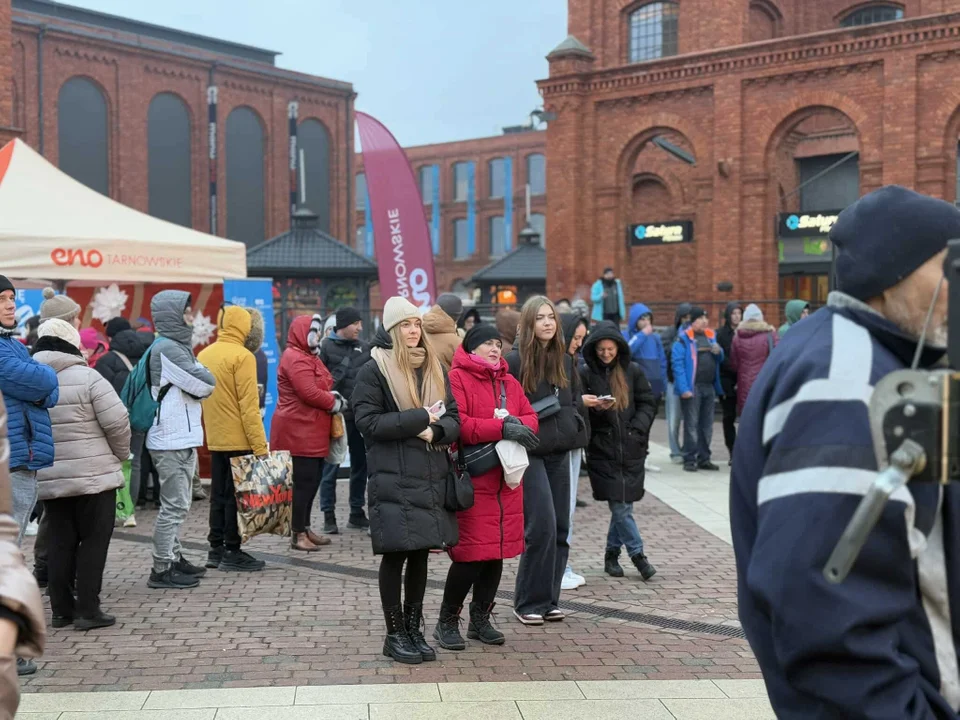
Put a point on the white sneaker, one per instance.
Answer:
(571, 581)
(33, 527)
(650, 466)
(130, 521)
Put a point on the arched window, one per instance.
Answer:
(496, 169)
(461, 181)
(314, 140)
(765, 21)
(537, 174)
(498, 236)
(653, 31)
(82, 133)
(872, 14)
(169, 195)
(246, 217)
(460, 249)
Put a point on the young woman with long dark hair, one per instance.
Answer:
(396, 406)
(544, 368)
(620, 432)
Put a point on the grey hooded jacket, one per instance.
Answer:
(174, 366)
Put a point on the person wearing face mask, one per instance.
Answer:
(492, 530)
(545, 370)
(403, 408)
(622, 407)
(883, 642)
(575, 330)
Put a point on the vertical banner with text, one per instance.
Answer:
(401, 236)
(257, 293)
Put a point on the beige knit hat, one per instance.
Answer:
(58, 306)
(59, 329)
(396, 311)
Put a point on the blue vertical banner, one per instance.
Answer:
(257, 293)
(508, 203)
(368, 219)
(435, 201)
(471, 208)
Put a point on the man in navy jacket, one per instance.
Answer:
(882, 644)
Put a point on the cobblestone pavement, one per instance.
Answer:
(313, 619)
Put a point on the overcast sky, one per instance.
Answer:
(430, 70)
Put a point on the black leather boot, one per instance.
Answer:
(480, 627)
(413, 621)
(647, 570)
(611, 563)
(397, 643)
(447, 633)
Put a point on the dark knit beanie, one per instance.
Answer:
(116, 325)
(346, 316)
(478, 335)
(697, 312)
(885, 236)
(451, 304)
(5, 285)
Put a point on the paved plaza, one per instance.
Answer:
(304, 631)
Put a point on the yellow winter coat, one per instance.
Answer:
(231, 415)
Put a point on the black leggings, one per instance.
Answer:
(391, 570)
(483, 576)
(307, 472)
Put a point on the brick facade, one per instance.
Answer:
(130, 70)
(518, 146)
(746, 112)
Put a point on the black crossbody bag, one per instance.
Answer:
(481, 459)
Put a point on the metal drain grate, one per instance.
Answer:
(569, 605)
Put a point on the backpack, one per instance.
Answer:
(136, 396)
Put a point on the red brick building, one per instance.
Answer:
(459, 253)
(789, 109)
(125, 107)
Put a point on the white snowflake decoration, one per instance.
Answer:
(203, 330)
(109, 302)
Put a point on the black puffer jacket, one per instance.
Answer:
(619, 438)
(344, 359)
(133, 345)
(407, 479)
(561, 432)
(728, 377)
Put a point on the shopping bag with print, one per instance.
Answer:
(125, 507)
(264, 490)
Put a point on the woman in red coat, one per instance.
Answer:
(492, 407)
(301, 424)
(752, 345)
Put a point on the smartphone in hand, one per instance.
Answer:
(438, 409)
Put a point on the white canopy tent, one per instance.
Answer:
(55, 228)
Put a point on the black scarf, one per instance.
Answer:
(51, 343)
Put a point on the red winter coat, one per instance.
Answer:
(493, 528)
(750, 349)
(301, 421)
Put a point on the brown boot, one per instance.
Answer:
(301, 542)
(318, 540)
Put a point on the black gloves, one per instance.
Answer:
(520, 434)
(512, 420)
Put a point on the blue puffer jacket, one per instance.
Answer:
(647, 350)
(683, 359)
(29, 389)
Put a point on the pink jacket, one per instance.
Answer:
(751, 347)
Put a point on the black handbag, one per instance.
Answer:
(548, 406)
(481, 459)
(459, 490)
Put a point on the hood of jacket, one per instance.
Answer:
(728, 311)
(477, 366)
(605, 330)
(568, 323)
(297, 335)
(636, 312)
(130, 343)
(472, 312)
(382, 339)
(254, 339)
(437, 322)
(682, 309)
(57, 353)
(233, 325)
(167, 308)
(507, 322)
(793, 310)
(750, 328)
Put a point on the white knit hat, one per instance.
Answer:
(59, 329)
(752, 313)
(396, 311)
